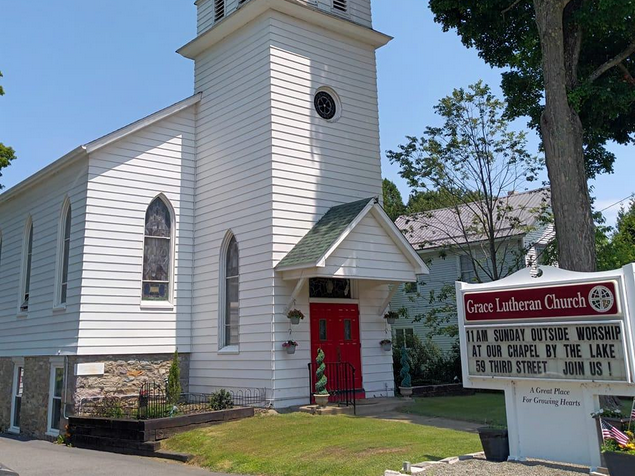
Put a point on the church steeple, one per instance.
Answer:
(211, 12)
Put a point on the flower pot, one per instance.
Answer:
(619, 464)
(294, 320)
(386, 347)
(291, 349)
(405, 391)
(495, 443)
(321, 399)
(391, 320)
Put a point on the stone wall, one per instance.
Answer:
(6, 385)
(123, 375)
(34, 414)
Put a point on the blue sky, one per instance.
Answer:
(75, 70)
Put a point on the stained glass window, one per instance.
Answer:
(27, 271)
(231, 293)
(65, 253)
(156, 252)
(330, 288)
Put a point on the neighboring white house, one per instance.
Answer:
(439, 238)
(200, 226)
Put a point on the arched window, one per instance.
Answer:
(65, 246)
(26, 273)
(156, 252)
(230, 311)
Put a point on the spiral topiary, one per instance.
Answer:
(320, 384)
(406, 381)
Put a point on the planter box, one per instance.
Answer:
(620, 464)
(142, 437)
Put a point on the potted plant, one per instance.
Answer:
(386, 344)
(321, 395)
(391, 317)
(620, 459)
(290, 346)
(495, 441)
(406, 381)
(295, 315)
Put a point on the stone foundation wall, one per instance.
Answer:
(6, 385)
(34, 414)
(123, 375)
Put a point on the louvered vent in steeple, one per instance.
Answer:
(340, 5)
(219, 10)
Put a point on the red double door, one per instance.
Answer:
(335, 329)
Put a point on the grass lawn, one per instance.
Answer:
(299, 444)
(486, 408)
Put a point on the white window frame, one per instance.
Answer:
(17, 365)
(167, 305)
(58, 305)
(55, 365)
(462, 271)
(222, 297)
(403, 330)
(28, 229)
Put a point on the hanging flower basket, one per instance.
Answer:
(386, 344)
(391, 317)
(290, 346)
(295, 315)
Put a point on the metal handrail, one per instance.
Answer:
(340, 383)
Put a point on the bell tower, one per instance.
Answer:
(287, 128)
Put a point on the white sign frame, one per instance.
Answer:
(530, 441)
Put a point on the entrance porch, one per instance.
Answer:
(341, 276)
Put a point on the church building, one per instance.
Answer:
(201, 226)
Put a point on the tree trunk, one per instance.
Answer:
(562, 135)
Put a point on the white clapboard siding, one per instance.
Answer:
(233, 192)
(42, 331)
(123, 178)
(366, 253)
(317, 165)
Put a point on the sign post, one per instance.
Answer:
(553, 343)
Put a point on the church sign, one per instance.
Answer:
(553, 344)
(580, 300)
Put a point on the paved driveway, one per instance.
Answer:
(40, 458)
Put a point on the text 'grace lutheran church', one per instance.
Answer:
(201, 226)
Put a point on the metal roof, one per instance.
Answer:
(448, 226)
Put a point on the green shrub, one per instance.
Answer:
(115, 411)
(173, 391)
(221, 400)
(320, 378)
(429, 365)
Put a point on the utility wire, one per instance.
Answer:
(617, 203)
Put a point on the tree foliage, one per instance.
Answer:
(616, 247)
(7, 154)
(603, 94)
(173, 391)
(577, 55)
(393, 203)
(472, 162)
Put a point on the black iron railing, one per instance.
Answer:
(152, 402)
(340, 383)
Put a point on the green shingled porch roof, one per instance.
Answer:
(323, 234)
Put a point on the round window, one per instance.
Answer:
(325, 105)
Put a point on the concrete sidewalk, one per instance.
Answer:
(41, 458)
(388, 409)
